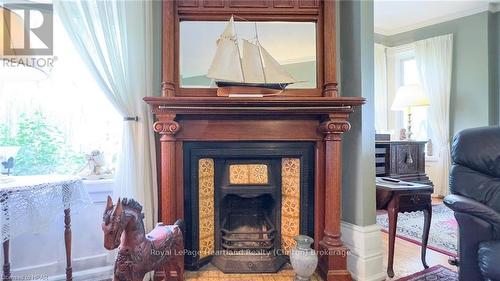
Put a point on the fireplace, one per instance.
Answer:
(200, 136)
(245, 201)
(202, 132)
(247, 235)
(247, 231)
(247, 225)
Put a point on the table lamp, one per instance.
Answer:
(409, 96)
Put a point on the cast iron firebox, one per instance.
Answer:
(247, 236)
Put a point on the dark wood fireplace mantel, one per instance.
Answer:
(321, 120)
(317, 115)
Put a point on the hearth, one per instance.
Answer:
(245, 202)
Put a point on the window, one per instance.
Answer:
(48, 122)
(409, 75)
(396, 67)
(410, 72)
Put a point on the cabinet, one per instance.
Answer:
(404, 160)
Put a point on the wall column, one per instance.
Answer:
(360, 231)
(167, 128)
(333, 254)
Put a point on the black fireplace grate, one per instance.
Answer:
(247, 231)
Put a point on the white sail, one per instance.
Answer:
(226, 64)
(229, 32)
(256, 66)
(252, 63)
(275, 73)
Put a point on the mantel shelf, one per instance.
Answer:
(274, 105)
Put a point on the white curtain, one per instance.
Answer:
(115, 39)
(380, 88)
(434, 58)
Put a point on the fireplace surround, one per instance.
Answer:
(184, 122)
(245, 201)
(196, 116)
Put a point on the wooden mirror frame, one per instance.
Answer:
(320, 12)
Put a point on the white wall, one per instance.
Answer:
(44, 253)
(433, 170)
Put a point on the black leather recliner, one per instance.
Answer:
(475, 199)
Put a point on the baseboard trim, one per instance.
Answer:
(365, 260)
(96, 274)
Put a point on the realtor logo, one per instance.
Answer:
(26, 29)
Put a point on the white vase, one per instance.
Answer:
(304, 259)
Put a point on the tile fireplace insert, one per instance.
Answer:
(244, 203)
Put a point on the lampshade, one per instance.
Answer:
(410, 96)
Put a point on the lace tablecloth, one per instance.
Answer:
(31, 203)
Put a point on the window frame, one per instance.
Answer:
(396, 56)
(52, 81)
(408, 56)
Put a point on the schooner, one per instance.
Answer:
(249, 71)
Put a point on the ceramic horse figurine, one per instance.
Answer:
(160, 250)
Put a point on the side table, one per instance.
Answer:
(399, 196)
(31, 203)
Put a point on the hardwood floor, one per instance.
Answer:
(406, 262)
(407, 255)
(407, 258)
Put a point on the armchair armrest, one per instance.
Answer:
(465, 205)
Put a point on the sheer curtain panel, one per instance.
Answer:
(381, 106)
(434, 61)
(115, 40)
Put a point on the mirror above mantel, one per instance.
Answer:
(292, 44)
(298, 34)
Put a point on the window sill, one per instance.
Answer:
(99, 185)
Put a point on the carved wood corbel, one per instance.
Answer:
(166, 127)
(334, 126)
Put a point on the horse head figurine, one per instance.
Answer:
(160, 250)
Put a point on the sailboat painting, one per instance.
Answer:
(246, 71)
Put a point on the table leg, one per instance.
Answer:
(6, 262)
(393, 222)
(67, 242)
(425, 236)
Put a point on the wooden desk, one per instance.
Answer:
(404, 197)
